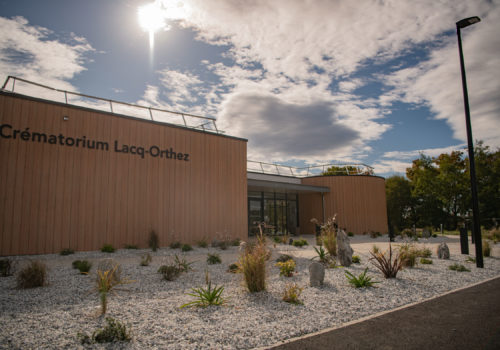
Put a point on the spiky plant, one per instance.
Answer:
(362, 281)
(386, 264)
(106, 282)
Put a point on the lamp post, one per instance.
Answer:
(475, 207)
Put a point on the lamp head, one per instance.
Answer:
(467, 22)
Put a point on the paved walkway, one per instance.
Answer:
(465, 319)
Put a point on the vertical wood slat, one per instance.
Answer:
(55, 197)
(358, 201)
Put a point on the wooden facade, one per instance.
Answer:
(359, 202)
(57, 192)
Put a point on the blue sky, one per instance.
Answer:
(306, 82)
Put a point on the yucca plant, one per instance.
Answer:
(362, 281)
(105, 283)
(386, 264)
(322, 255)
(206, 296)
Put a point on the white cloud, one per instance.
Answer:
(389, 167)
(31, 52)
(431, 152)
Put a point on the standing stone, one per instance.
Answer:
(344, 250)
(443, 251)
(316, 274)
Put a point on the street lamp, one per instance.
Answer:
(475, 207)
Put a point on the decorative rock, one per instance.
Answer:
(344, 250)
(316, 274)
(243, 246)
(443, 251)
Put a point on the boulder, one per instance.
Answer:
(344, 250)
(443, 252)
(316, 274)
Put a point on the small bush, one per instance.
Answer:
(470, 259)
(213, 259)
(375, 234)
(292, 293)
(361, 281)
(458, 267)
(106, 281)
(182, 264)
(234, 268)
(283, 258)
(202, 244)
(153, 241)
(82, 265)
(253, 266)
(6, 267)
(408, 255)
(286, 268)
(493, 235)
(407, 232)
(146, 259)
(423, 252)
(486, 248)
(130, 246)
(169, 272)
(175, 245)
(375, 249)
(206, 296)
(114, 331)
(350, 234)
(108, 248)
(299, 243)
(356, 259)
(277, 239)
(33, 275)
(235, 242)
(425, 261)
(386, 264)
(67, 251)
(186, 247)
(321, 255)
(434, 235)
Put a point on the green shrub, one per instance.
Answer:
(375, 249)
(486, 248)
(361, 281)
(407, 232)
(6, 267)
(356, 259)
(408, 255)
(175, 245)
(108, 248)
(292, 293)
(32, 275)
(82, 265)
(213, 259)
(186, 247)
(470, 259)
(235, 242)
(114, 331)
(423, 252)
(169, 272)
(146, 259)
(130, 246)
(234, 268)
(153, 241)
(350, 234)
(277, 239)
(202, 244)
(321, 255)
(286, 268)
(67, 251)
(458, 267)
(283, 258)
(299, 243)
(375, 234)
(206, 296)
(425, 261)
(182, 264)
(253, 266)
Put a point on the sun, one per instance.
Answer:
(151, 19)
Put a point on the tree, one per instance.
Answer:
(346, 170)
(399, 203)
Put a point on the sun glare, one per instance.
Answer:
(151, 19)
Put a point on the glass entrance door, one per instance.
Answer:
(254, 215)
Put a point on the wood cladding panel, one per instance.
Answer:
(59, 196)
(358, 201)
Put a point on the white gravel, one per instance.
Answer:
(50, 317)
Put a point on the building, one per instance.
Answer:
(76, 176)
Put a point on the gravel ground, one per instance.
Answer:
(50, 317)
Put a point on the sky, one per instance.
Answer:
(306, 82)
